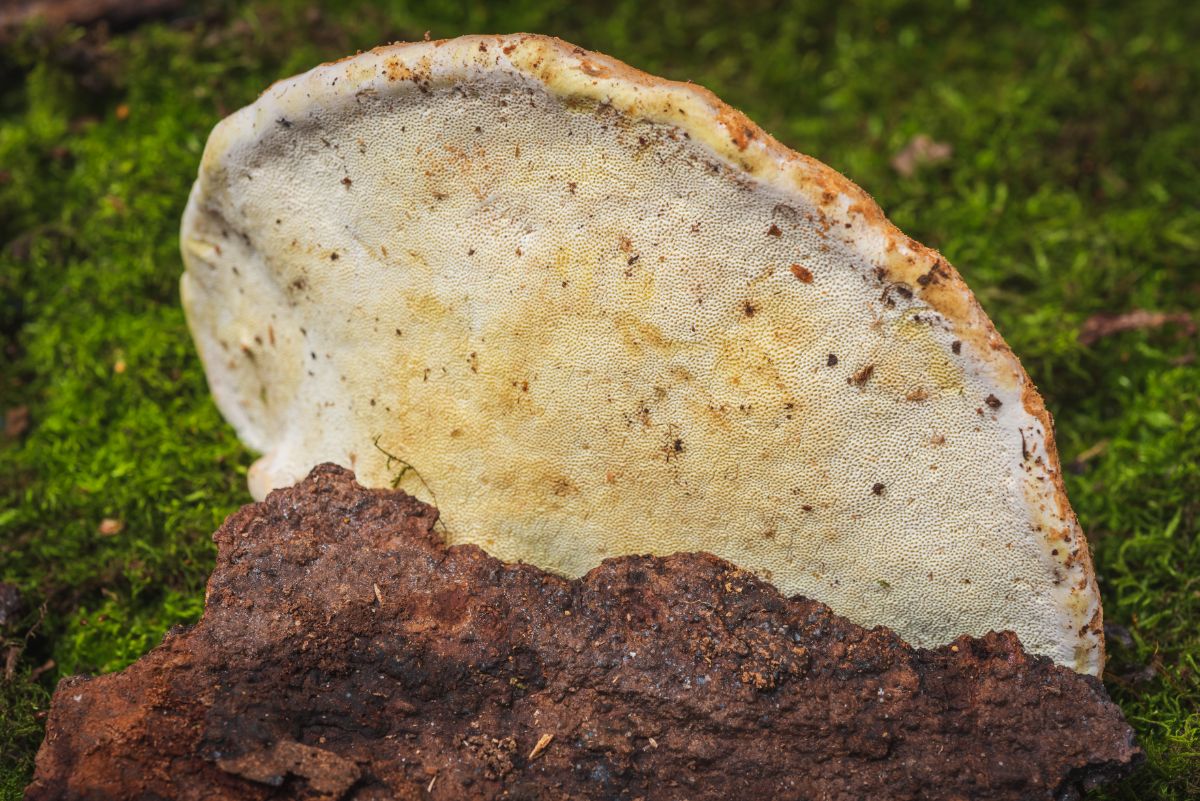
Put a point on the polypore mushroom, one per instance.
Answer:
(587, 312)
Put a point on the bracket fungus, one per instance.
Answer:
(590, 312)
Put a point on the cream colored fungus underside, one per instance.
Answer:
(582, 334)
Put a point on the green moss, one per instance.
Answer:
(1074, 189)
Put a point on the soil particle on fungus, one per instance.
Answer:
(346, 653)
(862, 376)
(936, 273)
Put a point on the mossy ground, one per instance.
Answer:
(1073, 190)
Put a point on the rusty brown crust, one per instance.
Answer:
(346, 653)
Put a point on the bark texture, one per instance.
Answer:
(346, 653)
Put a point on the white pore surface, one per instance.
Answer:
(581, 334)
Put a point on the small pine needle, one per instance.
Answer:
(541, 745)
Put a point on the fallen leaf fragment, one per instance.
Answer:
(110, 526)
(1099, 326)
(921, 151)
